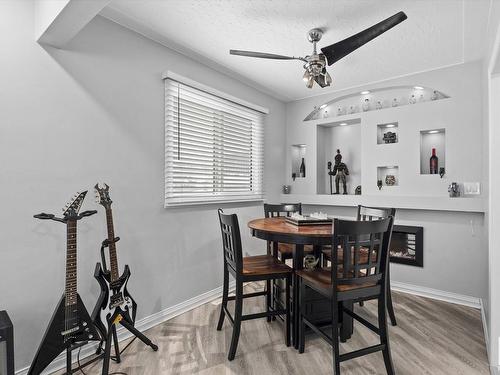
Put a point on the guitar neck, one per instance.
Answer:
(71, 265)
(113, 260)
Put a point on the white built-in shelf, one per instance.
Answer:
(377, 99)
(472, 204)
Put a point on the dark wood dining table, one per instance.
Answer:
(278, 230)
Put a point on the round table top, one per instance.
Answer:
(278, 225)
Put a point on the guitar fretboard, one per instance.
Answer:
(113, 260)
(71, 266)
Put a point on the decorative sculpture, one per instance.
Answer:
(340, 171)
(389, 137)
(390, 180)
(366, 105)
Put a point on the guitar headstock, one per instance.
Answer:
(73, 206)
(102, 195)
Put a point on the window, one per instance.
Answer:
(213, 148)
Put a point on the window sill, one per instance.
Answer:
(175, 204)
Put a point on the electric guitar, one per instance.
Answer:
(115, 302)
(71, 325)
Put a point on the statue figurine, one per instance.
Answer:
(340, 172)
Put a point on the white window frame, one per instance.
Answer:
(171, 199)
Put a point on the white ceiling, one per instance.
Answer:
(437, 33)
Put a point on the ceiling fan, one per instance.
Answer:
(315, 64)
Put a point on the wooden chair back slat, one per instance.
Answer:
(352, 237)
(283, 209)
(231, 241)
(374, 213)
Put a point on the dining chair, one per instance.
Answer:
(285, 250)
(352, 280)
(248, 269)
(368, 214)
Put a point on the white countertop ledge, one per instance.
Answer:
(462, 204)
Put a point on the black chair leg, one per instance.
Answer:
(390, 307)
(335, 338)
(238, 304)
(302, 339)
(268, 298)
(384, 336)
(225, 293)
(287, 308)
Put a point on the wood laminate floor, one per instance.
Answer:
(432, 337)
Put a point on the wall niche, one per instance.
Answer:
(298, 152)
(387, 133)
(432, 139)
(389, 175)
(345, 136)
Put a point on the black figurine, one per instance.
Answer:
(340, 171)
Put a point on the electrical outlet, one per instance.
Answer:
(472, 188)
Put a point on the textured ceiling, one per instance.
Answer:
(437, 33)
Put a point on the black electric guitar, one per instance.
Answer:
(115, 302)
(71, 325)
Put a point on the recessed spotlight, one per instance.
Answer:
(390, 125)
(433, 131)
(365, 92)
(343, 124)
(418, 87)
(322, 106)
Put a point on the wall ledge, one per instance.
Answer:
(430, 203)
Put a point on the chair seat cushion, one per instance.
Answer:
(363, 255)
(322, 278)
(264, 265)
(287, 248)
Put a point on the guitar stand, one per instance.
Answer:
(113, 320)
(69, 359)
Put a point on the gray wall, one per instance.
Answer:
(455, 251)
(95, 112)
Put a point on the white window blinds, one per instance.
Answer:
(213, 148)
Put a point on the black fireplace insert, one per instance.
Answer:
(407, 245)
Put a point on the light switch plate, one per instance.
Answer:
(472, 188)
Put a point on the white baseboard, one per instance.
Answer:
(485, 329)
(440, 295)
(142, 325)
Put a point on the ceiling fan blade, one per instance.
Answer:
(264, 55)
(341, 49)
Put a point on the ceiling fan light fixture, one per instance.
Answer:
(328, 78)
(310, 82)
(306, 76)
(315, 64)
